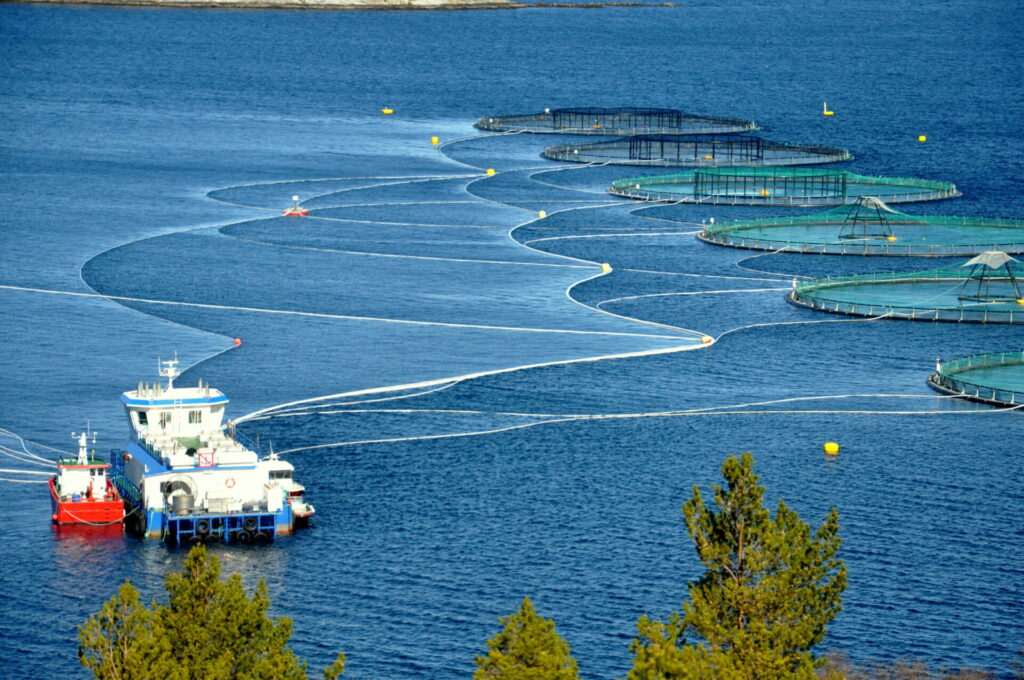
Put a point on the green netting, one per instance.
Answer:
(945, 294)
(867, 228)
(613, 121)
(695, 151)
(774, 185)
(996, 378)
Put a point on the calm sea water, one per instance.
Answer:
(147, 152)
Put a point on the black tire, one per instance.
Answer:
(243, 537)
(250, 523)
(262, 537)
(202, 527)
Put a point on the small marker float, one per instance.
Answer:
(295, 210)
(825, 111)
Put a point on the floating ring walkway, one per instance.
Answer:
(996, 378)
(615, 122)
(986, 289)
(869, 227)
(689, 151)
(775, 185)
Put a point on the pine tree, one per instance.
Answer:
(527, 648)
(769, 589)
(119, 643)
(210, 630)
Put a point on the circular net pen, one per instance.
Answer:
(799, 187)
(869, 227)
(996, 378)
(609, 121)
(985, 289)
(687, 151)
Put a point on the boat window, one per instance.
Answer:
(195, 417)
(165, 417)
(280, 474)
(142, 418)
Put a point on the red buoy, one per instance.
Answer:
(295, 210)
(238, 341)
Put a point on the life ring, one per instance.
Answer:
(229, 482)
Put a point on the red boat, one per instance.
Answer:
(81, 493)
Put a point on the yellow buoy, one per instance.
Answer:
(434, 140)
(922, 138)
(490, 171)
(1020, 301)
(387, 111)
(764, 192)
(890, 238)
(831, 448)
(541, 214)
(605, 267)
(708, 158)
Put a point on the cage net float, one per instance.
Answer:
(868, 226)
(995, 378)
(985, 289)
(775, 185)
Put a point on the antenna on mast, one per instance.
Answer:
(169, 370)
(83, 444)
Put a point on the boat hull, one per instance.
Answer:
(109, 510)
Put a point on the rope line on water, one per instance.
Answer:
(715, 411)
(343, 317)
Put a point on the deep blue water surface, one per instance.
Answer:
(147, 155)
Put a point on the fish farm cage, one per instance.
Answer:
(869, 227)
(772, 185)
(986, 289)
(996, 378)
(688, 151)
(614, 122)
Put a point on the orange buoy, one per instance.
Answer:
(238, 341)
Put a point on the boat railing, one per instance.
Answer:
(126, 487)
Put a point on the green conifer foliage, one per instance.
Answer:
(119, 643)
(527, 648)
(210, 630)
(769, 589)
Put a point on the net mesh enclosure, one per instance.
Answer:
(612, 121)
(995, 378)
(868, 226)
(775, 185)
(985, 289)
(685, 151)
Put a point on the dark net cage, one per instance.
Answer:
(777, 185)
(695, 151)
(614, 121)
(767, 182)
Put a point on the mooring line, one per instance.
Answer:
(343, 317)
